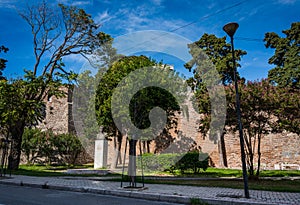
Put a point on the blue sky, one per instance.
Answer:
(182, 20)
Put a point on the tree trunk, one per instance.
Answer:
(223, 149)
(146, 146)
(120, 137)
(221, 162)
(115, 156)
(259, 155)
(132, 162)
(117, 150)
(15, 152)
(251, 165)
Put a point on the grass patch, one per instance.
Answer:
(47, 171)
(212, 177)
(280, 173)
(217, 173)
(263, 184)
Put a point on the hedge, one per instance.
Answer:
(170, 162)
(48, 148)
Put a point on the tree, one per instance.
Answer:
(85, 90)
(258, 105)
(286, 57)
(288, 110)
(286, 75)
(140, 105)
(54, 37)
(219, 54)
(2, 61)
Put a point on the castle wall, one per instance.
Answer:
(275, 148)
(59, 114)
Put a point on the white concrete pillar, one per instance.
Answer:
(101, 150)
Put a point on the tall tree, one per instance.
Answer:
(85, 92)
(258, 106)
(55, 36)
(219, 53)
(140, 105)
(104, 92)
(286, 57)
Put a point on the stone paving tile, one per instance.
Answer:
(165, 191)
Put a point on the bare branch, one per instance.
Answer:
(72, 33)
(44, 25)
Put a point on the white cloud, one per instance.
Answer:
(211, 5)
(103, 17)
(8, 4)
(130, 20)
(75, 59)
(155, 41)
(286, 1)
(157, 2)
(76, 3)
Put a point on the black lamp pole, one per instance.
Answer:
(230, 29)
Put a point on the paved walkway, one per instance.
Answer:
(159, 192)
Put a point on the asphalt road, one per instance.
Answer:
(18, 195)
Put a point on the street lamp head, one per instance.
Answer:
(230, 28)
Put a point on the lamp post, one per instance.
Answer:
(230, 29)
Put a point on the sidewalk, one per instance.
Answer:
(158, 192)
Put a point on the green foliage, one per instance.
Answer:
(192, 160)
(54, 37)
(260, 101)
(67, 146)
(286, 57)
(14, 107)
(148, 98)
(265, 109)
(219, 53)
(85, 89)
(287, 110)
(258, 104)
(212, 66)
(141, 103)
(2, 61)
(109, 81)
(158, 162)
(46, 147)
(170, 162)
(30, 144)
(115, 88)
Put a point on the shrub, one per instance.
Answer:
(67, 146)
(170, 162)
(30, 144)
(158, 162)
(46, 147)
(192, 160)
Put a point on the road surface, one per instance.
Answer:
(19, 195)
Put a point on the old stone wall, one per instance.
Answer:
(275, 148)
(59, 114)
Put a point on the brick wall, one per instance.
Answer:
(59, 114)
(275, 148)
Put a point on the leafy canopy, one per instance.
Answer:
(286, 57)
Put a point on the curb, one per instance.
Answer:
(136, 194)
